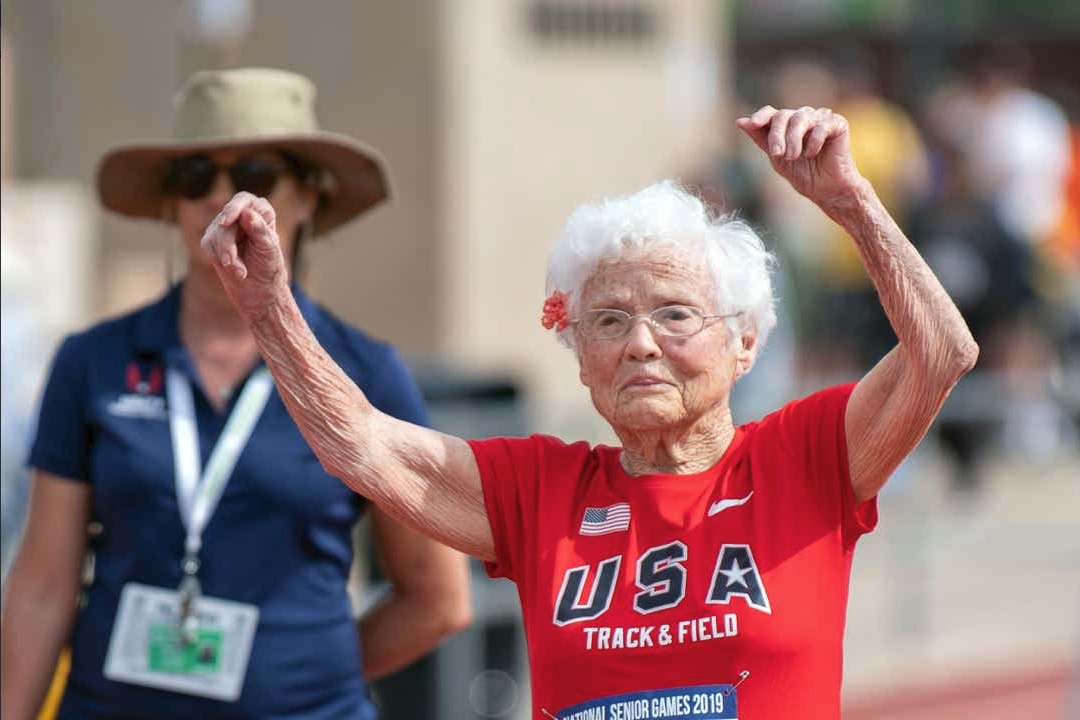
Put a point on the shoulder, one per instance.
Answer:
(820, 410)
(116, 335)
(546, 453)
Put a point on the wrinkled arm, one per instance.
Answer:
(425, 479)
(893, 406)
(42, 589)
(428, 600)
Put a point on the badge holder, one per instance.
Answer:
(182, 640)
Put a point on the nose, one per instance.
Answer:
(641, 341)
(222, 190)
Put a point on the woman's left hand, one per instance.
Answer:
(809, 147)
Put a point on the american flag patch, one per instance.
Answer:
(600, 521)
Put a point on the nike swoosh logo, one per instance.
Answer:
(722, 505)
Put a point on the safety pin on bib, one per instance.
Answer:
(742, 676)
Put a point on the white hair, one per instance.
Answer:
(662, 216)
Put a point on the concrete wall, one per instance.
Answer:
(493, 134)
(94, 74)
(533, 128)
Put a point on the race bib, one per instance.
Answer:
(146, 647)
(699, 702)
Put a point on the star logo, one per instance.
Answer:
(736, 574)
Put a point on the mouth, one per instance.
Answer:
(645, 382)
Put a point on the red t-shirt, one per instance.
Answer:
(636, 584)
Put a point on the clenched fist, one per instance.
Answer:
(810, 148)
(243, 244)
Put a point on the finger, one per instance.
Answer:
(220, 244)
(839, 125)
(210, 242)
(838, 130)
(263, 207)
(778, 131)
(234, 207)
(816, 140)
(230, 259)
(257, 228)
(799, 123)
(762, 116)
(757, 134)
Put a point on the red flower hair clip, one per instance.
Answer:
(555, 312)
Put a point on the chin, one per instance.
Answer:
(646, 414)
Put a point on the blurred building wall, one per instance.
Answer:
(541, 113)
(95, 74)
(497, 119)
(7, 114)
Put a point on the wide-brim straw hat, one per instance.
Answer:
(248, 108)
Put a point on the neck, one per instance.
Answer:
(218, 339)
(206, 310)
(680, 450)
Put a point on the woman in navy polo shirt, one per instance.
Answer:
(219, 583)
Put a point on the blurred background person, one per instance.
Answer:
(1023, 180)
(164, 429)
(986, 269)
(1023, 183)
(887, 147)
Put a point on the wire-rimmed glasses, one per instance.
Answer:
(669, 320)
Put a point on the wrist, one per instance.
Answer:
(277, 298)
(851, 203)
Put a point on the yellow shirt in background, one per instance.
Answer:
(888, 151)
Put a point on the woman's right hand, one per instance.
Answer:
(243, 244)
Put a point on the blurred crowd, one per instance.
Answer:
(982, 170)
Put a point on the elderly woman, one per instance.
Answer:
(163, 426)
(701, 566)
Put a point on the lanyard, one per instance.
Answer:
(199, 498)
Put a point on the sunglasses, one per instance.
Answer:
(193, 176)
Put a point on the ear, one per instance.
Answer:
(745, 353)
(583, 374)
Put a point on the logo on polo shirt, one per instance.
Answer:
(151, 385)
(143, 398)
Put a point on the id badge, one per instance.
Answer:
(697, 702)
(146, 647)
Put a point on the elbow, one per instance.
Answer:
(334, 468)
(343, 445)
(964, 357)
(345, 465)
(455, 616)
(455, 622)
(944, 365)
(454, 613)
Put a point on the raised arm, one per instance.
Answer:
(425, 479)
(894, 404)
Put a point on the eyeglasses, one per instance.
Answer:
(670, 321)
(193, 176)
